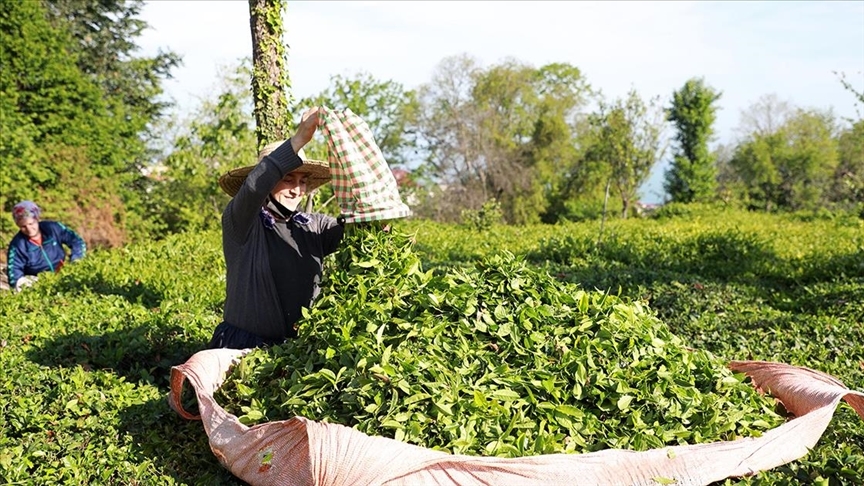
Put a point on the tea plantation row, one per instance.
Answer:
(85, 354)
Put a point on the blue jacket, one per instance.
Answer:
(27, 258)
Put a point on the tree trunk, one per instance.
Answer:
(270, 82)
(603, 217)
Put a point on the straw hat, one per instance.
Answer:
(318, 171)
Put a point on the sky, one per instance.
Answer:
(744, 49)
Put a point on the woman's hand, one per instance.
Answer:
(308, 125)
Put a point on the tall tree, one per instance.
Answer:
(792, 166)
(730, 187)
(181, 195)
(485, 133)
(848, 187)
(63, 143)
(270, 81)
(386, 106)
(627, 142)
(103, 45)
(447, 121)
(77, 106)
(506, 101)
(765, 116)
(104, 34)
(692, 176)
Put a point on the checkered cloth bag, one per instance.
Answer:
(363, 184)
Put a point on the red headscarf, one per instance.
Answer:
(25, 209)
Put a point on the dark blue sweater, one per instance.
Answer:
(272, 273)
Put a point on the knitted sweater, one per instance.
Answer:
(257, 300)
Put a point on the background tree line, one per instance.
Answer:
(86, 133)
(79, 109)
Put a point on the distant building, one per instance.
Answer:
(402, 176)
(643, 209)
(155, 171)
(407, 186)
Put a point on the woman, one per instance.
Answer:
(273, 253)
(38, 246)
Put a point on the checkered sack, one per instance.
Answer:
(363, 184)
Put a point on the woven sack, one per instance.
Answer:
(363, 183)
(303, 452)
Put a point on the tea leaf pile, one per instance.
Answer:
(494, 359)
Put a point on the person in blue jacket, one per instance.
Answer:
(38, 246)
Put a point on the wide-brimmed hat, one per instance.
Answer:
(318, 171)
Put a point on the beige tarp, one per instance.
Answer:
(304, 452)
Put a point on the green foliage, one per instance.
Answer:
(688, 210)
(82, 113)
(183, 194)
(484, 218)
(790, 291)
(693, 112)
(494, 359)
(624, 145)
(848, 183)
(50, 102)
(505, 132)
(104, 33)
(76, 107)
(790, 167)
(84, 365)
(86, 353)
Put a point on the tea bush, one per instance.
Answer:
(85, 354)
(799, 301)
(499, 359)
(84, 363)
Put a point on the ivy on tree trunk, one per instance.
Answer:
(270, 82)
